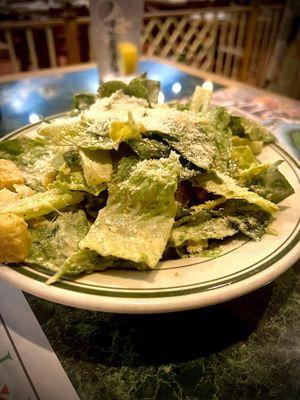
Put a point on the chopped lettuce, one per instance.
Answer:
(137, 220)
(143, 88)
(270, 183)
(82, 101)
(140, 87)
(244, 157)
(179, 105)
(76, 132)
(200, 226)
(84, 170)
(54, 241)
(242, 126)
(17, 149)
(200, 100)
(255, 145)
(249, 219)
(153, 88)
(196, 147)
(187, 173)
(106, 89)
(71, 177)
(36, 157)
(87, 261)
(149, 148)
(97, 166)
(216, 125)
(208, 205)
(121, 131)
(250, 173)
(196, 247)
(42, 203)
(226, 187)
(63, 131)
(137, 88)
(81, 261)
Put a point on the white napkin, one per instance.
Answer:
(29, 368)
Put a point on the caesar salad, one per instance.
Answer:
(125, 182)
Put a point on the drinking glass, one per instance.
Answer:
(116, 36)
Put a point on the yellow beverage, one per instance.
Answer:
(127, 58)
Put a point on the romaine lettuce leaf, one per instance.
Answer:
(36, 157)
(85, 170)
(143, 88)
(187, 173)
(226, 187)
(97, 166)
(216, 125)
(200, 100)
(121, 131)
(244, 157)
(54, 241)
(82, 101)
(270, 183)
(63, 131)
(196, 247)
(179, 106)
(137, 88)
(208, 205)
(106, 89)
(200, 226)
(250, 173)
(153, 88)
(182, 132)
(71, 177)
(249, 219)
(216, 116)
(76, 132)
(87, 261)
(16, 149)
(255, 145)
(149, 148)
(242, 126)
(81, 261)
(140, 87)
(42, 203)
(136, 222)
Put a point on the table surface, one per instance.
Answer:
(241, 349)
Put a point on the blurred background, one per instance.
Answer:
(256, 42)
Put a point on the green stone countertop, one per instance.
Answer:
(248, 348)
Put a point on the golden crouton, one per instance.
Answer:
(15, 239)
(7, 197)
(9, 174)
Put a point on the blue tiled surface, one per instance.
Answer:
(47, 95)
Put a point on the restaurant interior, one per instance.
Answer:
(149, 199)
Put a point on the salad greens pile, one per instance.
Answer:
(124, 182)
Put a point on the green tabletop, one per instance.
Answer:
(246, 348)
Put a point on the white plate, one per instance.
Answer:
(244, 266)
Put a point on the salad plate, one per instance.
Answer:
(239, 266)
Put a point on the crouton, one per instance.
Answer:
(15, 239)
(10, 174)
